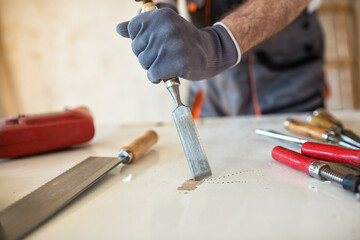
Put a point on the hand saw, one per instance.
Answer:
(28, 213)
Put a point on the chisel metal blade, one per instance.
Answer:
(188, 134)
(337, 139)
(350, 137)
(194, 152)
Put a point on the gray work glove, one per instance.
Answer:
(168, 5)
(169, 46)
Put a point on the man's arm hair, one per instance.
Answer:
(257, 20)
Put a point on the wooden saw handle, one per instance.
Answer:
(141, 144)
(304, 128)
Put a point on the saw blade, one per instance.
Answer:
(28, 213)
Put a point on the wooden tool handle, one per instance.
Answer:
(148, 5)
(326, 116)
(319, 121)
(304, 128)
(144, 1)
(141, 144)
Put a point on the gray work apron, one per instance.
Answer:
(288, 71)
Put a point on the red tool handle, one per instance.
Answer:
(331, 153)
(291, 158)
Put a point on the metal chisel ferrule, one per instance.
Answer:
(173, 86)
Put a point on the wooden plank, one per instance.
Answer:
(338, 20)
(8, 100)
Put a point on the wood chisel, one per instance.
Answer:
(307, 129)
(323, 119)
(321, 151)
(315, 168)
(28, 213)
(185, 124)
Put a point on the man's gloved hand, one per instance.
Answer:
(169, 46)
(168, 5)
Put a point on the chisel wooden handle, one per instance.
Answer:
(331, 153)
(148, 5)
(141, 144)
(322, 118)
(305, 128)
(321, 122)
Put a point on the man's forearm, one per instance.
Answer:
(257, 20)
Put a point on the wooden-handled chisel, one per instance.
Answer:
(324, 119)
(313, 131)
(28, 213)
(185, 124)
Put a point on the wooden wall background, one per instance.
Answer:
(340, 20)
(8, 96)
(66, 53)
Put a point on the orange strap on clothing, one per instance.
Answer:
(254, 95)
(197, 104)
(327, 90)
(208, 12)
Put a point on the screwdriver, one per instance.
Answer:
(323, 119)
(321, 151)
(315, 168)
(307, 129)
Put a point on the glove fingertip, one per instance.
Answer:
(152, 79)
(122, 29)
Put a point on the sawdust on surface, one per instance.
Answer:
(252, 176)
(190, 185)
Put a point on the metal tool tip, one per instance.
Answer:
(202, 176)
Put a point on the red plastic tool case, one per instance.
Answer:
(25, 135)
